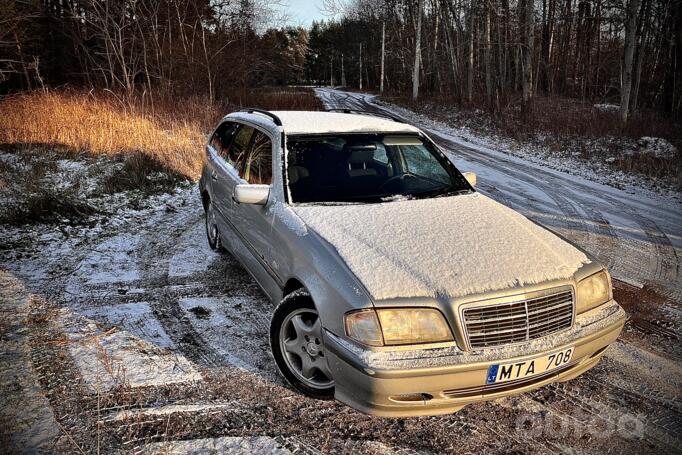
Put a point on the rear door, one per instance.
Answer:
(217, 163)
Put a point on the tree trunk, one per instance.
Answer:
(487, 58)
(417, 52)
(526, 25)
(628, 57)
(343, 73)
(640, 40)
(360, 66)
(383, 55)
(470, 56)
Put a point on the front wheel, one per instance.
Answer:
(298, 347)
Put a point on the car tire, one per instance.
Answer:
(212, 233)
(298, 346)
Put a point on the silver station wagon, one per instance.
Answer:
(399, 289)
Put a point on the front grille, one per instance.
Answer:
(499, 324)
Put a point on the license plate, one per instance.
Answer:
(503, 372)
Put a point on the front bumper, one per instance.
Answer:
(390, 383)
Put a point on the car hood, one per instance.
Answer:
(448, 246)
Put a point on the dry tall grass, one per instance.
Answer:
(170, 136)
(163, 131)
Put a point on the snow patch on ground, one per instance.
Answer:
(109, 359)
(234, 445)
(129, 414)
(110, 262)
(667, 372)
(135, 317)
(607, 107)
(452, 246)
(193, 256)
(231, 334)
(657, 147)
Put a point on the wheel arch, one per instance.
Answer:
(205, 197)
(293, 284)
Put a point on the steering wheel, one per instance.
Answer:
(396, 178)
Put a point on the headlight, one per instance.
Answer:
(398, 326)
(593, 291)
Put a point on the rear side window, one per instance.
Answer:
(222, 138)
(258, 166)
(239, 147)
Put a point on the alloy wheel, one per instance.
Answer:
(303, 349)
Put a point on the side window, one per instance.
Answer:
(380, 154)
(222, 138)
(258, 167)
(215, 139)
(239, 147)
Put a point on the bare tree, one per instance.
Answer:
(383, 55)
(417, 51)
(343, 73)
(526, 19)
(487, 57)
(360, 66)
(628, 57)
(470, 55)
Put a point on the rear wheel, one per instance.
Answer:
(212, 227)
(298, 347)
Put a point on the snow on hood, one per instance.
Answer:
(453, 246)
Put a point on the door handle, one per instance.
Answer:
(214, 176)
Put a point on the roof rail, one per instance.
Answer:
(274, 118)
(359, 111)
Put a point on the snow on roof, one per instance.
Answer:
(454, 246)
(317, 122)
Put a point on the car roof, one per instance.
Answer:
(320, 122)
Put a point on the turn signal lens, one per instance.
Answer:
(363, 326)
(593, 291)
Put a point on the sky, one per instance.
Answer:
(304, 12)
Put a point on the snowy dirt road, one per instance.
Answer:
(134, 337)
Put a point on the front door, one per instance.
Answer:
(227, 175)
(254, 222)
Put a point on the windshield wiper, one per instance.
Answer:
(448, 192)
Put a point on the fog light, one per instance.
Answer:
(412, 398)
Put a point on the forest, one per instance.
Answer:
(492, 53)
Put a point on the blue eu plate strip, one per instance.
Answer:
(492, 374)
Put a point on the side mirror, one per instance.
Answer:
(471, 178)
(251, 194)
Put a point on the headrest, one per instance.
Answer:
(361, 156)
(296, 173)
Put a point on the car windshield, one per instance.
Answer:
(368, 168)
